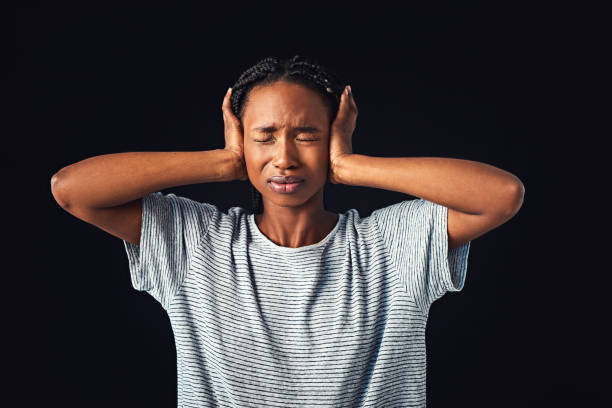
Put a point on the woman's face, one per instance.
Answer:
(286, 132)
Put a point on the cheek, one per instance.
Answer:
(255, 162)
(250, 155)
(318, 161)
(324, 153)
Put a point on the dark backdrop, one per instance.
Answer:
(519, 85)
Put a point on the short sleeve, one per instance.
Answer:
(416, 236)
(170, 233)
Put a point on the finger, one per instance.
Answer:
(351, 97)
(342, 109)
(347, 105)
(351, 102)
(227, 107)
(344, 100)
(227, 99)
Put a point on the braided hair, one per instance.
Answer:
(299, 70)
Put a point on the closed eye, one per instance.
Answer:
(301, 140)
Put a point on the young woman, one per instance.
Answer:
(291, 304)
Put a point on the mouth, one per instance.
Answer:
(285, 188)
(285, 179)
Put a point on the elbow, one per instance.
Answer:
(58, 190)
(514, 202)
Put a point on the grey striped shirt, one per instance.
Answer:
(340, 323)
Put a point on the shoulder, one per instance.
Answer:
(402, 211)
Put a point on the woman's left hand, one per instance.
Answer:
(341, 133)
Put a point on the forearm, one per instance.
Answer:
(463, 185)
(113, 179)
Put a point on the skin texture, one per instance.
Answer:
(298, 219)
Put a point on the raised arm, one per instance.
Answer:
(479, 197)
(114, 179)
(106, 190)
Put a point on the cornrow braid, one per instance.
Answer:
(298, 69)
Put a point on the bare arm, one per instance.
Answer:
(113, 179)
(106, 191)
(479, 196)
(464, 185)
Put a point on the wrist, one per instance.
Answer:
(238, 167)
(341, 169)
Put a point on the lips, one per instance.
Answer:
(285, 179)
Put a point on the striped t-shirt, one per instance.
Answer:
(339, 323)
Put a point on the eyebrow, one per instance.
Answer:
(305, 129)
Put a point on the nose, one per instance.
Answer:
(285, 153)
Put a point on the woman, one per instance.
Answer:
(292, 304)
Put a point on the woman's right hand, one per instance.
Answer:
(234, 136)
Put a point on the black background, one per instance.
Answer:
(518, 85)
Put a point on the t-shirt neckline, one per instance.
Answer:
(261, 236)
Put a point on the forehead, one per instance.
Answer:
(284, 104)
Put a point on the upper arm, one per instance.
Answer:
(464, 227)
(123, 221)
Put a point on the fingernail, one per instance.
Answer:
(228, 89)
(350, 90)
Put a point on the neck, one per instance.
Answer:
(295, 227)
